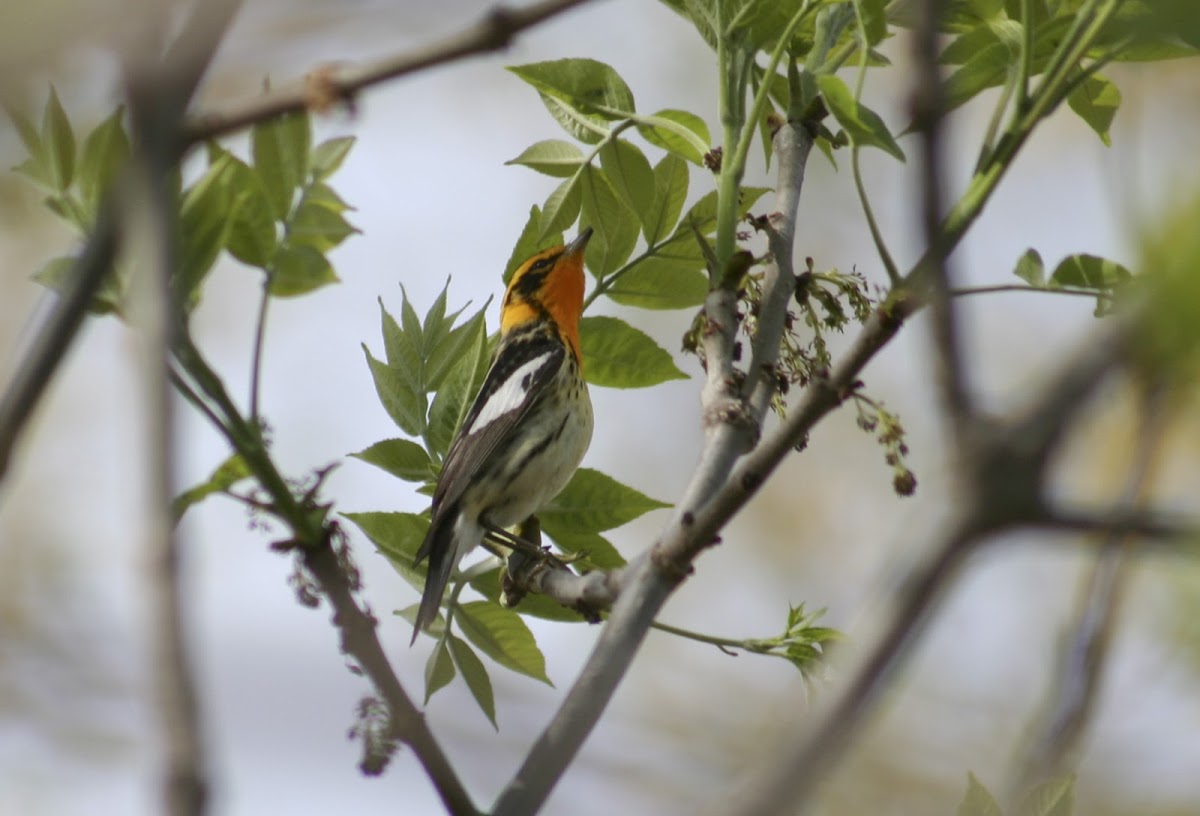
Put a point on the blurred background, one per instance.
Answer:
(689, 724)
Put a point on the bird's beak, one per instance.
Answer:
(576, 247)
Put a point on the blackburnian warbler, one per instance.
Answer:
(528, 427)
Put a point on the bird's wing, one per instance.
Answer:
(517, 380)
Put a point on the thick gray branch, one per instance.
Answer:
(792, 145)
(648, 580)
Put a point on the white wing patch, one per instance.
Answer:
(510, 395)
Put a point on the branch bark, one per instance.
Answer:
(324, 88)
(1006, 491)
(159, 91)
(360, 640)
(928, 117)
(1070, 702)
(650, 578)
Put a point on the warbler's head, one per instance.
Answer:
(548, 285)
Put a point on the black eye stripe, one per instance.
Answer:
(531, 281)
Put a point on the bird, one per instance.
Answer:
(528, 428)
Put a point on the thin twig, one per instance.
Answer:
(324, 88)
(159, 91)
(260, 333)
(1060, 728)
(964, 291)
(799, 768)
(1006, 492)
(928, 116)
(359, 639)
(34, 373)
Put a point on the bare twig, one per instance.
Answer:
(1058, 731)
(159, 91)
(186, 784)
(327, 87)
(359, 639)
(41, 362)
(1005, 491)
(928, 116)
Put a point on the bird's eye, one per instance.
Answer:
(543, 265)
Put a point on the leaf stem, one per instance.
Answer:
(257, 352)
(1025, 71)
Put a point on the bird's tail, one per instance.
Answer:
(439, 545)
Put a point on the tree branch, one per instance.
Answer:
(793, 141)
(324, 88)
(928, 116)
(34, 373)
(649, 579)
(1005, 491)
(159, 91)
(1081, 661)
(359, 640)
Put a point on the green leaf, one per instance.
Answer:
(409, 613)
(444, 352)
(703, 214)
(617, 355)
(670, 191)
(402, 458)
(977, 801)
(599, 550)
(327, 157)
(476, 675)
(666, 134)
(104, 152)
(1089, 272)
(656, 283)
(439, 670)
(552, 157)
(616, 225)
(1031, 269)
(398, 537)
(561, 208)
(593, 502)
(280, 148)
(298, 270)
(1096, 102)
(404, 401)
(862, 125)
(453, 400)
(318, 226)
(204, 225)
(226, 475)
(530, 242)
(584, 84)
(237, 191)
(253, 238)
(501, 635)
(403, 345)
(29, 135)
(1053, 798)
(589, 129)
(59, 142)
(628, 170)
(321, 193)
(874, 20)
